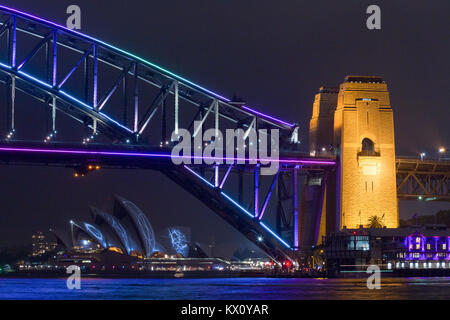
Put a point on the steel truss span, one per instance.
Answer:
(427, 180)
(128, 107)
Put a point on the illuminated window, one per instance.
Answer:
(444, 246)
(428, 246)
(418, 246)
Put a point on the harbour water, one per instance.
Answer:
(224, 289)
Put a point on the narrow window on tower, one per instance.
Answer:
(372, 186)
(366, 186)
(367, 118)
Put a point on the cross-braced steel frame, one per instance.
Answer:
(425, 180)
(125, 115)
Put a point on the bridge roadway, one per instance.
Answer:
(80, 157)
(122, 156)
(427, 180)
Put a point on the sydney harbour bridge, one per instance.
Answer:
(104, 108)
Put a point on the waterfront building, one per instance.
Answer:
(40, 245)
(409, 248)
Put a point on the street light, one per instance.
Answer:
(422, 155)
(442, 152)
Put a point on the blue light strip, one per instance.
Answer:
(274, 234)
(175, 76)
(5, 66)
(34, 79)
(240, 207)
(236, 204)
(199, 176)
(76, 100)
(26, 75)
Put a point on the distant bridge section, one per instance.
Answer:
(426, 180)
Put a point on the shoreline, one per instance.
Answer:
(218, 275)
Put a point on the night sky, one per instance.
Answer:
(275, 55)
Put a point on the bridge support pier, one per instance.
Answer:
(311, 218)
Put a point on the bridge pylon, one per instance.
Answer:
(355, 122)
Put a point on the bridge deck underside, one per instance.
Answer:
(190, 178)
(425, 180)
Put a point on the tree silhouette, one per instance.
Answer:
(375, 222)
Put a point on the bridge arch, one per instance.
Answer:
(94, 110)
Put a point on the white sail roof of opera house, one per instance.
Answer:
(127, 210)
(111, 224)
(127, 230)
(89, 229)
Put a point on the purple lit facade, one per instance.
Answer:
(420, 247)
(409, 248)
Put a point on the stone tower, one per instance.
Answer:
(356, 124)
(322, 121)
(364, 140)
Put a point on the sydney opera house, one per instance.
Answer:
(125, 235)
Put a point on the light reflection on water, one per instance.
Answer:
(226, 289)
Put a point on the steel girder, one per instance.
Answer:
(427, 180)
(87, 105)
(210, 184)
(90, 108)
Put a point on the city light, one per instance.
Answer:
(442, 150)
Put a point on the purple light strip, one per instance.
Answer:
(225, 177)
(159, 155)
(268, 117)
(27, 15)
